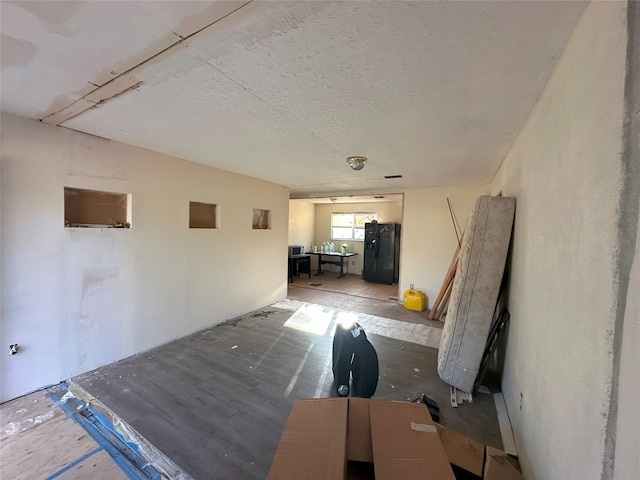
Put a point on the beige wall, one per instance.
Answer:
(566, 171)
(429, 239)
(75, 299)
(302, 221)
(387, 212)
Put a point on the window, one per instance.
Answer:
(202, 215)
(350, 226)
(95, 209)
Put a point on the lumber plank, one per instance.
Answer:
(448, 279)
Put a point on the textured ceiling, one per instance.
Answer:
(285, 91)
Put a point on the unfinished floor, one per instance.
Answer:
(216, 402)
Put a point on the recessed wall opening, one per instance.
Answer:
(96, 209)
(203, 215)
(261, 219)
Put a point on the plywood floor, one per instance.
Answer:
(216, 402)
(39, 441)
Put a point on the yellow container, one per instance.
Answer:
(414, 300)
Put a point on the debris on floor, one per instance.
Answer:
(263, 313)
(233, 322)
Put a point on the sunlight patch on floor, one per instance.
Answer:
(347, 319)
(407, 332)
(310, 318)
(316, 319)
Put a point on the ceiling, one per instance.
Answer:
(378, 198)
(285, 90)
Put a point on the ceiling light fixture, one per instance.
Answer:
(357, 163)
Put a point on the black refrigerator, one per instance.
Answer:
(381, 252)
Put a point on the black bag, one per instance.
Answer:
(354, 356)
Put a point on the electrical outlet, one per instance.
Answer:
(520, 400)
(13, 349)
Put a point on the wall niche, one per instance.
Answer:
(96, 209)
(261, 219)
(203, 215)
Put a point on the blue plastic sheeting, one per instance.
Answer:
(125, 454)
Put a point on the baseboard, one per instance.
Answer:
(508, 441)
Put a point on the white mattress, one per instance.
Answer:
(475, 290)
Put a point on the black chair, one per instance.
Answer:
(299, 264)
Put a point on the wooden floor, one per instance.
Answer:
(358, 295)
(216, 402)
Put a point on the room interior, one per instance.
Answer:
(251, 106)
(309, 222)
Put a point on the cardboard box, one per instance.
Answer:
(356, 438)
(314, 442)
(464, 453)
(500, 466)
(472, 460)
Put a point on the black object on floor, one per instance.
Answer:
(431, 404)
(428, 401)
(435, 416)
(365, 369)
(498, 328)
(354, 356)
(342, 357)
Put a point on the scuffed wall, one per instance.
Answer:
(75, 299)
(565, 169)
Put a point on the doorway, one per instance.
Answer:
(310, 225)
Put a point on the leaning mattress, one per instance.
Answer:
(475, 290)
